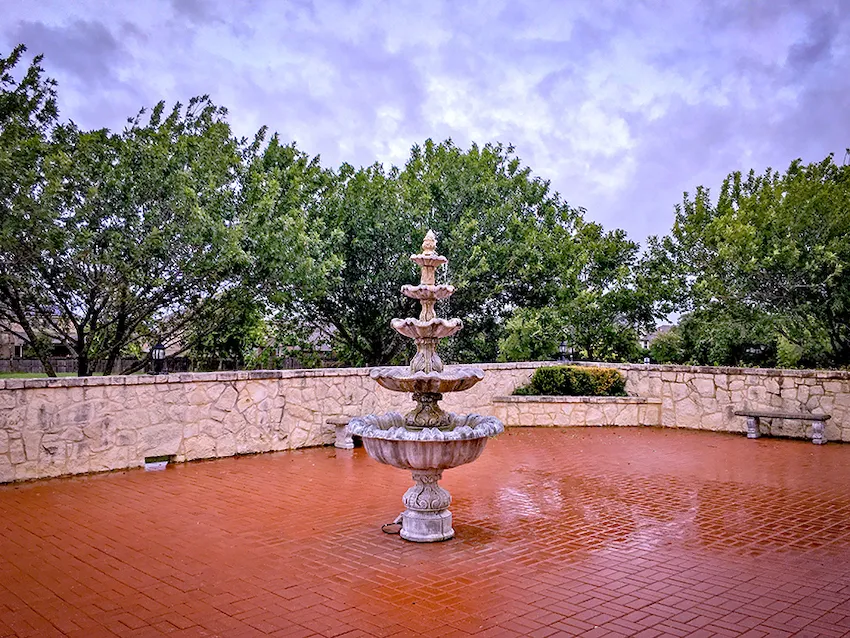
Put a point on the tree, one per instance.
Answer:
(137, 232)
(27, 114)
(712, 337)
(367, 235)
(773, 247)
(668, 347)
(531, 334)
(285, 262)
(607, 306)
(600, 308)
(504, 231)
(501, 229)
(230, 331)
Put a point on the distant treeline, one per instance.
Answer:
(243, 250)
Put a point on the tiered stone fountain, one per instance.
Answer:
(426, 440)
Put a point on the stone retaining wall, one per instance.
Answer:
(50, 427)
(705, 398)
(574, 411)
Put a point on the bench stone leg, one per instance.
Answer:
(343, 438)
(753, 427)
(817, 433)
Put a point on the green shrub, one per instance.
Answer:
(575, 381)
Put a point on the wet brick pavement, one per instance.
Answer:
(560, 532)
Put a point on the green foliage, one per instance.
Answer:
(231, 329)
(173, 229)
(130, 234)
(773, 248)
(788, 355)
(574, 381)
(364, 235)
(599, 308)
(668, 347)
(27, 114)
(503, 231)
(711, 337)
(281, 191)
(531, 335)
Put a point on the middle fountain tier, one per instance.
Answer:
(426, 440)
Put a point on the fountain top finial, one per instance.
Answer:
(429, 244)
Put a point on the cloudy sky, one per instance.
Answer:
(621, 104)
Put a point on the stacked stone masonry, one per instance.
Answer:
(51, 427)
(577, 411)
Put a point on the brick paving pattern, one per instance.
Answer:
(560, 532)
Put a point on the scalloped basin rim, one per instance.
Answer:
(400, 379)
(431, 287)
(390, 426)
(436, 321)
(453, 373)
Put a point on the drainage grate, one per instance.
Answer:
(157, 463)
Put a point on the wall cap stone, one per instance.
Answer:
(194, 377)
(566, 399)
(180, 377)
(761, 372)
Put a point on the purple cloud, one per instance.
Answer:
(621, 105)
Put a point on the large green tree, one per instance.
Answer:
(287, 266)
(27, 115)
(134, 232)
(502, 230)
(772, 248)
(366, 234)
(601, 307)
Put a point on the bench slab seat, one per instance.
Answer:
(754, 417)
(344, 439)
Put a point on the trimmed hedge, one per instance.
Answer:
(575, 381)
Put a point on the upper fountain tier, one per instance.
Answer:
(425, 374)
(428, 292)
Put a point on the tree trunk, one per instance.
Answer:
(42, 356)
(82, 354)
(83, 365)
(115, 350)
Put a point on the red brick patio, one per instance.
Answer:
(594, 531)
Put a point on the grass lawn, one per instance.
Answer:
(32, 375)
(42, 375)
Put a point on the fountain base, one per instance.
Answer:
(426, 527)
(427, 518)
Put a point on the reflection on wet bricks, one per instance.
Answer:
(560, 532)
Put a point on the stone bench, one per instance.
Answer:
(344, 439)
(754, 416)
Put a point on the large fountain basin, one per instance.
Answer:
(401, 379)
(425, 455)
(388, 441)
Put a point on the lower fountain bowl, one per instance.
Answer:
(425, 455)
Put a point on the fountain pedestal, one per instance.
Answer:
(426, 440)
(427, 517)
